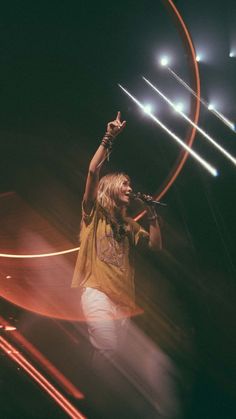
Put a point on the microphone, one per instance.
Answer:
(148, 199)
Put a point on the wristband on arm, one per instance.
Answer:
(107, 143)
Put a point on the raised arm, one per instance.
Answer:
(113, 129)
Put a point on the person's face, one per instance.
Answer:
(124, 192)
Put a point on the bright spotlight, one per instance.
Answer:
(198, 58)
(232, 54)
(164, 61)
(211, 107)
(147, 109)
(193, 153)
(179, 107)
(210, 139)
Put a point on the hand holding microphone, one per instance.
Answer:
(148, 199)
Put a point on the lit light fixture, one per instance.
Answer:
(211, 106)
(210, 139)
(179, 107)
(232, 54)
(147, 109)
(198, 58)
(193, 153)
(164, 61)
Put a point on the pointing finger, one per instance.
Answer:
(118, 116)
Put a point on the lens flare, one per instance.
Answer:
(197, 157)
(208, 106)
(164, 61)
(45, 384)
(207, 136)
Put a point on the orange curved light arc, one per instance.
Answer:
(185, 154)
(197, 110)
(39, 255)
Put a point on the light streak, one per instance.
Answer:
(188, 44)
(203, 162)
(39, 255)
(223, 118)
(207, 136)
(9, 328)
(219, 115)
(40, 358)
(16, 356)
(179, 107)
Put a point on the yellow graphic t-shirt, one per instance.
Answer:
(106, 260)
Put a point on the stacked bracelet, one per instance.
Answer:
(107, 142)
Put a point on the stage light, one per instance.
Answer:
(223, 118)
(147, 109)
(208, 106)
(193, 153)
(200, 55)
(211, 106)
(179, 107)
(232, 54)
(164, 61)
(207, 136)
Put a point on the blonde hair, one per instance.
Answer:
(109, 188)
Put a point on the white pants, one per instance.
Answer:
(142, 362)
(107, 325)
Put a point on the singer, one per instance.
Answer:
(105, 266)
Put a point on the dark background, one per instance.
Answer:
(60, 64)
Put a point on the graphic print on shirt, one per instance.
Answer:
(111, 251)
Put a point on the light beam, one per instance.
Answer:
(223, 119)
(203, 162)
(207, 136)
(12, 352)
(38, 255)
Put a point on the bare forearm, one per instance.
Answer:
(102, 153)
(155, 240)
(97, 160)
(93, 177)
